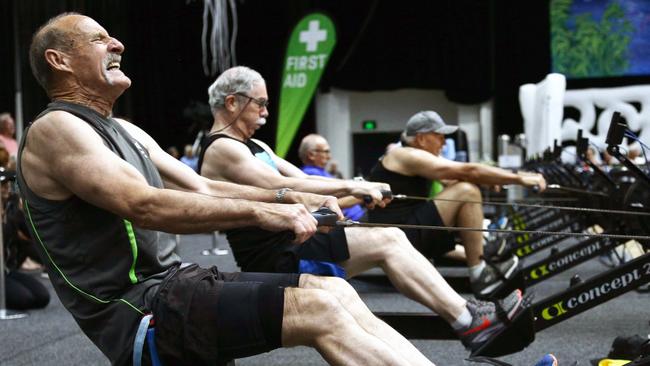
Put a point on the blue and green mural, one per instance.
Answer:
(600, 38)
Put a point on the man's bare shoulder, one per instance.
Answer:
(227, 145)
(127, 125)
(56, 129)
(137, 133)
(130, 127)
(224, 158)
(51, 140)
(225, 150)
(52, 120)
(409, 160)
(406, 153)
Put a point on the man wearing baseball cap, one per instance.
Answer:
(410, 170)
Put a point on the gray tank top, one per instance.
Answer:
(100, 264)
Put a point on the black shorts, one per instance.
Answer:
(257, 250)
(431, 243)
(204, 317)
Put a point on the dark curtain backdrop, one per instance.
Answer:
(474, 50)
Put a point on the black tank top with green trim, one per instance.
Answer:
(100, 264)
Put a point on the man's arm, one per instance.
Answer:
(232, 161)
(64, 156)
(418, 162)
(179, 176)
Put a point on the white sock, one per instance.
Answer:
(463, 321)
(475, 271)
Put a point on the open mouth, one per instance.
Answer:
(113, 66)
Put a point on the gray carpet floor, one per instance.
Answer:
(51, 337)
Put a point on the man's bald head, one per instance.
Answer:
(7, 125)
(56, 34)
(309, 144)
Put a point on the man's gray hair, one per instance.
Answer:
(307, 144)
(48, 36)
(238, 79)
(408, 140)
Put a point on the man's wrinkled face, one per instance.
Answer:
(95, 58)
(253, 109)
(432, 142)
(320, 154)
(7, 126)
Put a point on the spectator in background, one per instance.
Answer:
(173, 151)
(7, 132)
(314, 152)
(189, 158)
(22, 290)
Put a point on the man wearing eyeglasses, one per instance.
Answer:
(238, 100)
(314, 152)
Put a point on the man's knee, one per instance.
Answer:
(395, 239)
(334, 285)
(467, 191)
(310, 313)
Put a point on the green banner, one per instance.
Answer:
(308, 51)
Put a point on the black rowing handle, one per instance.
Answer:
(384, 194)
(325, 217)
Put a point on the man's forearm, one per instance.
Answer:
(349, 201)
(188, 213)
(240, 191)
(485, 174)
(330, 187)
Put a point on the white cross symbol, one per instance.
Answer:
(313, 35)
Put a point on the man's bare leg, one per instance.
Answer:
(316, 318)
(464, 215)
(351, 301)
(458, 254)
(409, 271)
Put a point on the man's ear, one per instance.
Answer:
(417, 142)
(231, 103)
(57, 59)
(310, 156)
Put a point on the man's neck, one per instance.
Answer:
(102, 105)
(226, 128)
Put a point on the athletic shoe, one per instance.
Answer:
(547, 360)
(497, 249)
(500, 223)
(488, 319)
(494, 275)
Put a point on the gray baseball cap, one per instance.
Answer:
(428, 121)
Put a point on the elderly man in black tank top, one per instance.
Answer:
(410, 169)
(239, 101)
(101, 198)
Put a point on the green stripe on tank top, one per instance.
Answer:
(134, 250)
(65, 278)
